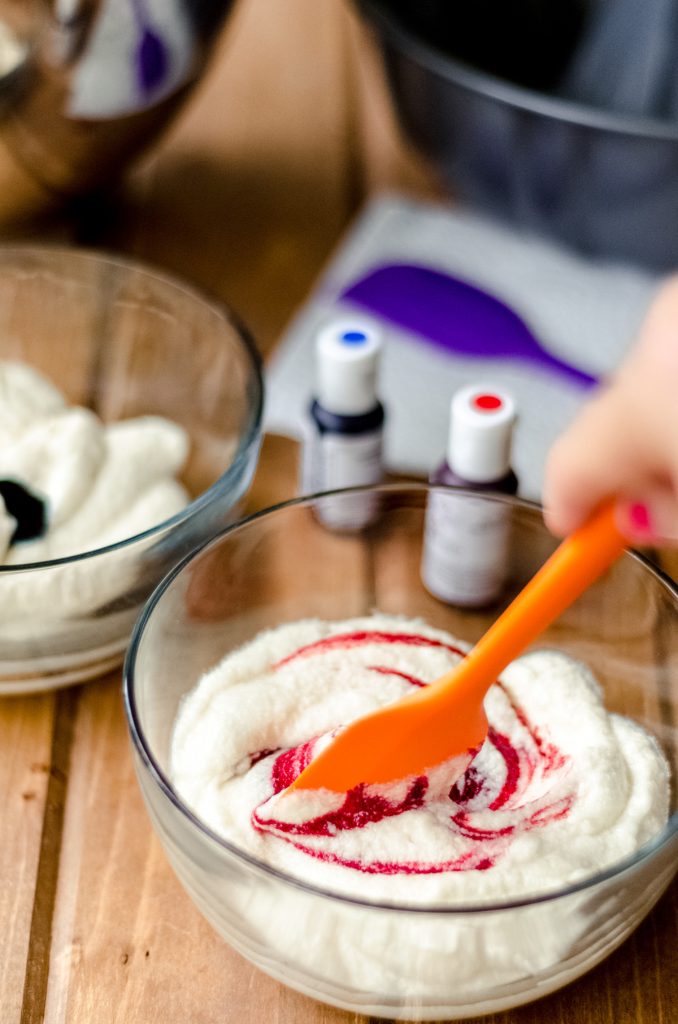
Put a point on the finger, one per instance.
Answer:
(594, 460)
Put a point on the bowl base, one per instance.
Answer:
(26, 677)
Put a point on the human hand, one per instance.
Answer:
(624, 444)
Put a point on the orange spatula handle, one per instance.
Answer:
(575, 564)
(447, 718)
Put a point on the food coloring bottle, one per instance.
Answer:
(465, 557)
(344, 438)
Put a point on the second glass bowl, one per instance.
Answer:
(124, 340)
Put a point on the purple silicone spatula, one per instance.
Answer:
(454, 315)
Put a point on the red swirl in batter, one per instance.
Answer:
(484, 811)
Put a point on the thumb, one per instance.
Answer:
(593, 460)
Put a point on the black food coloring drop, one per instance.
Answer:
(28, 510)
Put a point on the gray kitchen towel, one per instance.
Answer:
(583, 312)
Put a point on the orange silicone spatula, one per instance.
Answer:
(446, 719)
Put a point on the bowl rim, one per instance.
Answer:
(250, 438)
(143, 748)
(506, 92)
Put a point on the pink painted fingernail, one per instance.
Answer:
(640, 520)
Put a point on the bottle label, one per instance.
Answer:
(466, 543)
(331, 461)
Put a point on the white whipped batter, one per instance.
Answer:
(560, 790)
(100, 483)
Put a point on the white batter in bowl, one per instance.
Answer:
(559, 789)
(97, 483)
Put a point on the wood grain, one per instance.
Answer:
(26, 726)
(40, 935)
(250, 190)
(246, 196)
(36, 733)
(127, 944)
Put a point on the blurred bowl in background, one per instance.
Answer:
(87, 86)
(123, 340)
(603, 182)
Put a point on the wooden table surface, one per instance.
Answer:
(247, 195)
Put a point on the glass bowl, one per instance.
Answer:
(123, 340)
(376, 958)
